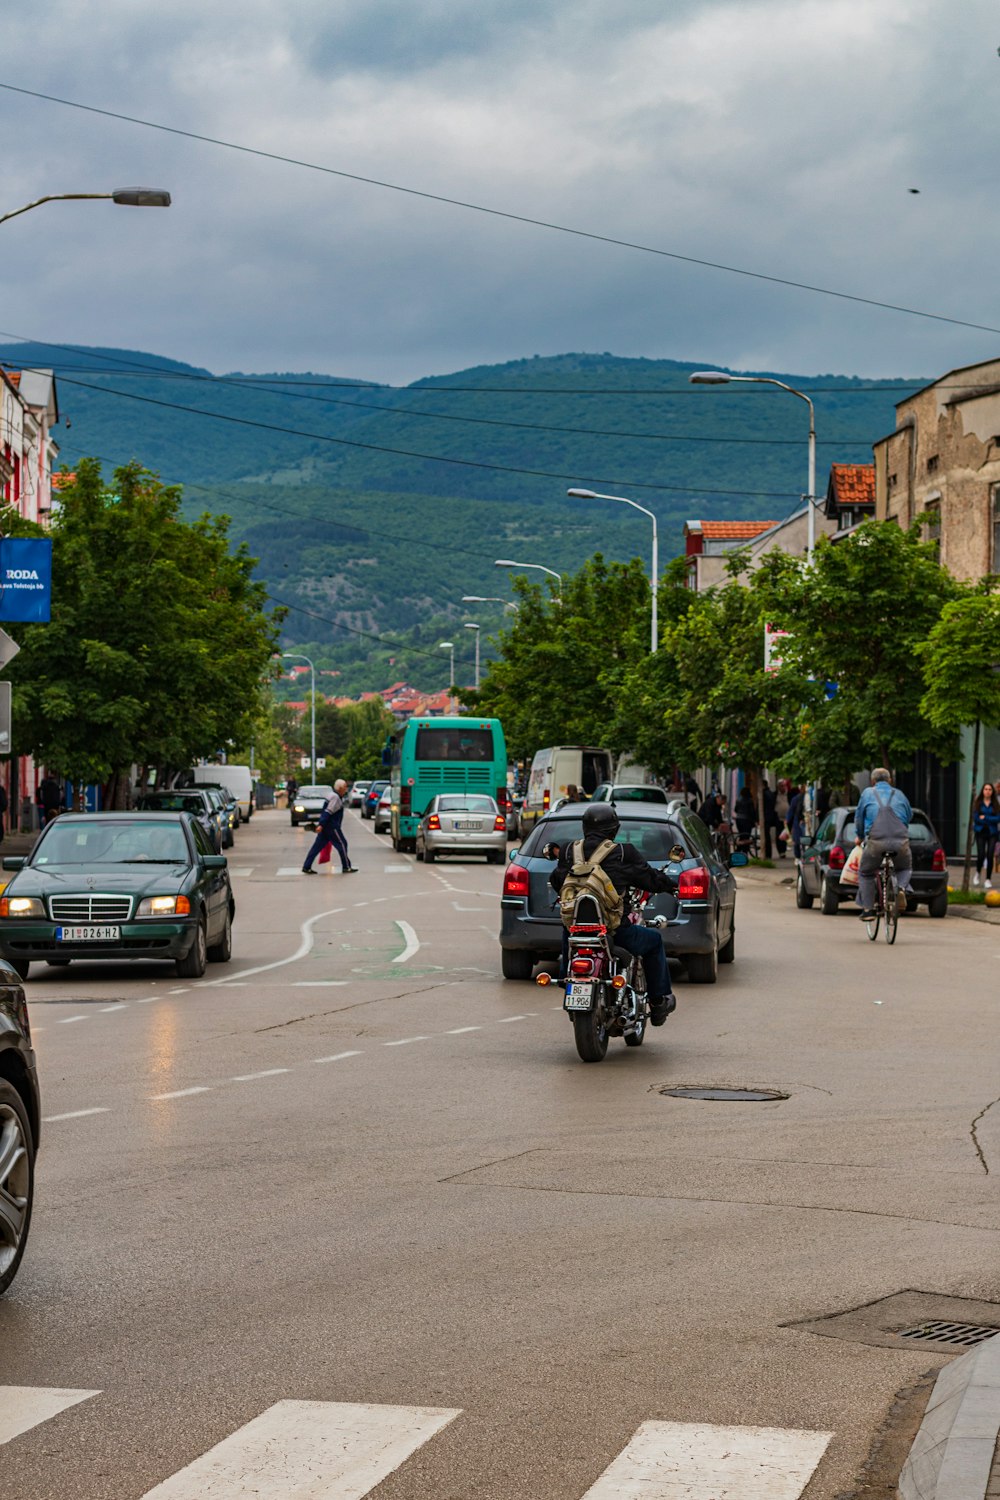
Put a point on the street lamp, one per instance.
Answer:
(719, 377)
(468, 626)
(450, 646)
(491, 599)
(312, 699)
(624, 500)
(505, 562)
(138, 197)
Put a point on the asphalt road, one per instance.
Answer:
(356, 1169)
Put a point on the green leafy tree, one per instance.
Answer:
(961, 665)
(857, 618)
(158, 639)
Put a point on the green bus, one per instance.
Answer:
(449, 754)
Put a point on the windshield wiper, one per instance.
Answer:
(177, 861)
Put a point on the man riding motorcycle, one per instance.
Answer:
(627, 871)
(883, 818)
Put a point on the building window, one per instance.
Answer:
(892, 481)
(932, 524)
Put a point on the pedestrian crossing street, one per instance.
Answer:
(288, 872)
(332, 1450)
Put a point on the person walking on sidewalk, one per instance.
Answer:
(985, 825)
(330, 831)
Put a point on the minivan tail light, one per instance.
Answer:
(939, 860)
(693, 885)
(503, 799)
(516, 881)
(434, 823)
(546, 799)
(405, 800)
(838, 858)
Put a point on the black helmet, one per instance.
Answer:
(602, 818)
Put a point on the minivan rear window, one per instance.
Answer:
(454, 744)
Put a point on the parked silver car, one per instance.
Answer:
(462, 823)
(357, 794)
(383, 812)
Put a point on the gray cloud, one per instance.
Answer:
(779, 135)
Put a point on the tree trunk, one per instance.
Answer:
(759, 775)
(972, 804)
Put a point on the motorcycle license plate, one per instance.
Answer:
(88, 934)
(579, 997)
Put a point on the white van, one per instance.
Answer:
(237, 778)
(559, 767)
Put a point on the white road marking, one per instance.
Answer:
(25, 1406)
(323, 1450)
(398, 870)
(174, 992)
(458, 907)
(461, 1030)
(290, 870)
(691, 1461)
(504, 1019)
(148, 999)
(318, 984)
(199, 1088)
(122, 1005)
(76, 1114)
(305, 947)
(242, 870)
(264, 1073)
(406, 1040)
(337, 1057)
(68, 1020)
(411, 940)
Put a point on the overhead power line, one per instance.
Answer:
(499, 213)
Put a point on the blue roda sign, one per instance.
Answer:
(26, 578)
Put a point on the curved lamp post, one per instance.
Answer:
(470, 626)
(624, 500)
(506, 562)
(301, 656)
(138, 197)
(450, 646)
(491, 599)
(719, 377)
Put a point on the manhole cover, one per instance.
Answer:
(740, 1096)
(955, 1335)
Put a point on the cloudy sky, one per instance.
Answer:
(781, 136)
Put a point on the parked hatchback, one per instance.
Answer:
(197, 801)
(825, 855)
(20, 1119)
(701, 918)
(372, 798)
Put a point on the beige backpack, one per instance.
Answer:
(587, 877)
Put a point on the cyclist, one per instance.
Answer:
(883, 825)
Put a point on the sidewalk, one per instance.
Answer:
(783, 874)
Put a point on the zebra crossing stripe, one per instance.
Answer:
(690, 1461)
(25, 1406)
(307, 1450)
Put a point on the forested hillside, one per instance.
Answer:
(374, 509)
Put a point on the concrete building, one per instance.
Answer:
(943, 462)
(707, 543)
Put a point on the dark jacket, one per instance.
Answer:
(986, 818)
(744, 813)
(624, 866)
(710, 812)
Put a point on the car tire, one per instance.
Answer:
(495, 857)
(703, 968)
(21, 967)
(515, 963)
(222, 951)
(803, 900)
(17, 1146)
(194, 963)
(727, 953)
(937, 906)
(429, 856)
(57, 963)
(829, 902)
(295, 822)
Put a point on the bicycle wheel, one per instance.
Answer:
(890, 895)
(871, 923)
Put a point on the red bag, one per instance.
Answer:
(324, 854)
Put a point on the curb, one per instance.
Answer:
(952, 1454)
(976, 914)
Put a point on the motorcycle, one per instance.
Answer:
(605, 986)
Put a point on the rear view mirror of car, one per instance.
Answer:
(214, 861)
(13, 861)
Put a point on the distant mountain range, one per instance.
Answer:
(376, 509)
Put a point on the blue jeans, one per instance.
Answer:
(647, 944)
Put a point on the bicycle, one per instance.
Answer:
(886, 901)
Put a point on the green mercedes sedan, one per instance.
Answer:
(122, 885)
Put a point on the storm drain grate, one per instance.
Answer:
(955, 1335)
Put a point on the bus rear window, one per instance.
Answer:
(454, 744)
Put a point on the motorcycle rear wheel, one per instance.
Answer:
(591, 1035)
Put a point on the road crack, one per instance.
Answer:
(975, 1138)
(337, 1010)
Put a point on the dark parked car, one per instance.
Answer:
(700, 926)
(372, 798)
(119, 885)
(308, 803)
(824, 856)
(20, 1120)
(195, 800)
(229, 807)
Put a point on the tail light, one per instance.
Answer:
(503, 799)
(693, 885)
(939, 860)
(405, 800)
(499, 823)
(546, 799)
(582, 968)
(838, 858)
(516, 881)
(434, 823)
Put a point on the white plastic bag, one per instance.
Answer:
(849, 874)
